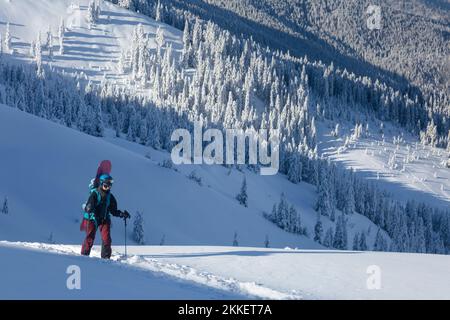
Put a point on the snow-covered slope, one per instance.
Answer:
(98, 279)
(93, 51)
(186, 272)
(394, 158)
(46, 169)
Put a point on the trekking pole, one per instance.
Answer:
(125, 219)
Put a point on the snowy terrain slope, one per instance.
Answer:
(46, 168)
(99, 279)
(397, 160)
(94, 52)
(222, 272)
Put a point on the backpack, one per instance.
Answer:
(93, 188)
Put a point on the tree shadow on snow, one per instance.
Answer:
(247, 253)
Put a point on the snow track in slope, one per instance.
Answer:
(182, 272)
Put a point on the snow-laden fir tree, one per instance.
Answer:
(8, 39)
(356, 242)
(295, 168)
(340, 235)
(47, 39)
(235, 240)
(286, 217)
(38, 57)
(50, 47)
(93, 13)
(158, 12)
(5, 208)
(318, 230)
(61, 31)
(121, 66)
(362, 246)
(380, 242)
(328, 239)
(33, 49)
(187, 49)
(50, 238)
(448, 140)
(324, 203)
(159, 39)
(138, 228)
(97, 128)
(349, 202)
(242, 196)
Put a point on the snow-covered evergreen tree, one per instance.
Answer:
(356, 240)
(47, 39)
(138, 228)
(33, 49)
(61, 31)
(349, 202)
(328, 239)
(38, 57)
(380, 242)
(158, 12)
(160, 39)
(187, 49)
(8, 46)
(242, 196)
(324, 203)
(5, 208)
(266, 242)
(93, 13)
(362, 242)
(318, 230)
(121, 66)
(50, 46)
(96, 128)
(295, 168)
(340, 235)
(235, 240)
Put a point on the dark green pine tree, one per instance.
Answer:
(363, 242)
(242, 197)
(356, 242)
(318, 230)
(235, 240)
(5, 208)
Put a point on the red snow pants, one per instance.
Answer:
(91, 230)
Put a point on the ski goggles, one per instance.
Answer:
(107, 184)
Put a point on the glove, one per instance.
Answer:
(124, 214)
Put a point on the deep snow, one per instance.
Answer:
(46, 169)
(187, 272)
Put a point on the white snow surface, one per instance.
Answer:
(193, 272)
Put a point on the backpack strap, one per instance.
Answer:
(99, 200)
